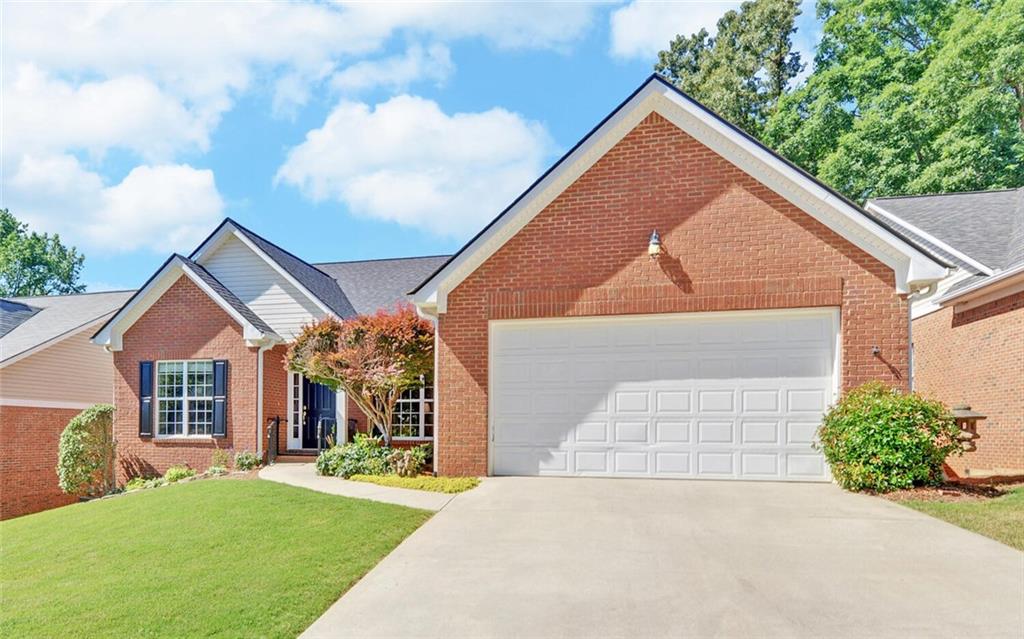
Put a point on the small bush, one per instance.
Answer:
(423, 482)
(363, 456)
(220, 458)
(177, 473)
(408, 462)
(216, 470)
(877, 438)
(138, 483)
(246, 460)
(85, 457)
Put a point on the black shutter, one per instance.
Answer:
(145, 399)
(220, 396)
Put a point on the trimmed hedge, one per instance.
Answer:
(878, 438)
(85, 455)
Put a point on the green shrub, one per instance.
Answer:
(363, 456)
(137, 483)
(177, 473)
(408, 462)
(422, 482)
(216, 470)
(220, 458)
(246, 460)
(85, 457)
(877, 438)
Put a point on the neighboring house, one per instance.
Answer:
(49, 372)
(564, 347)
(199, 352)
(969, 336)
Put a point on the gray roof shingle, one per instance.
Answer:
(372, 285)
(56, 315)
(988, 226)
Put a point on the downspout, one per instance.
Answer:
(437, 393)
(914, 296)
(259, 398)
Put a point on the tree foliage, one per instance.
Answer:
(743, 70)
(85, 457)
(373, 358)
(906, 97)
(35, 264)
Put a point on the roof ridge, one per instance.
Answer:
(280, 248)
(382, 259)
(907, 197)
(31, 297)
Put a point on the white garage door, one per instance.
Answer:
(703, 395)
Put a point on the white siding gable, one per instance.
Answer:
(261, 287)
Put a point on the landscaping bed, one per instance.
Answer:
(430, 483)
(196, 558)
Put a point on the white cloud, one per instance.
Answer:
(167, 207)
(155, 79)
(432, 64)
(407, 161)
(642, 29)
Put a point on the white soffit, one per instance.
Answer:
(912, 267)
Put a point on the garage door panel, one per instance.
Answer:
(729, 397)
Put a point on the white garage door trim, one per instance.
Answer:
(830, 317)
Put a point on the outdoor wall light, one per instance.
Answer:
(654, 247)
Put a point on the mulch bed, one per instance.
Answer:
(951, 492)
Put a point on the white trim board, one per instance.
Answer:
(42, 403)
(874, 207)
(913, 267)
(174, 268)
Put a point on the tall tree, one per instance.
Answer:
(35, 264)
(743, 70)
(910, 97)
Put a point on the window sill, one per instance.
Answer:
(183, 437)
(412, 439)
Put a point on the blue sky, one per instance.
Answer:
(337, 131)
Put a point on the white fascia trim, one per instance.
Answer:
(111, 335)
(43, 403)
(928, 305)
(56, 340)
(912, 267)
(871, 206)
(209, 247)
(1002, 284)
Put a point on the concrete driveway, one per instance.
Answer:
(532, 557)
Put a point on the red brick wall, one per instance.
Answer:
(183, 324)
(731, 244)
(275, 393)
(977, 357)
(29, 439)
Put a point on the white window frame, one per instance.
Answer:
(184, 399)
(422, 400)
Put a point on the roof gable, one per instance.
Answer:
(372, 285)
(255, 331)
(912, 265)
(318, 286)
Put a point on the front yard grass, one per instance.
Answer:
(220, 558)
(1001, 518)
(422, 482)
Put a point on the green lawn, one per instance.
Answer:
(218, 558)
(1001, 518)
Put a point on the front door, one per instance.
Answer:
(319, 404)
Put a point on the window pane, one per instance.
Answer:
(170, 417)
(169, 377)
(200, 379)
(200, 417)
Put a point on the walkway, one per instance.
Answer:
(304, 476)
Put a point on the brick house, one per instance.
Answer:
(969, 336)
(49, 372)
(669, 299)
